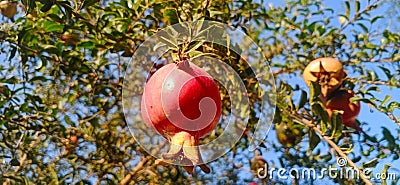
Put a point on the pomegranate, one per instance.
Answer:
(289, 134)
(182, 102)
(70, 38)
(8, 9)
(72, 143)
(328, 72)
(73, 139)
(341, 101)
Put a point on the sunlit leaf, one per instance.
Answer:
(370, 164)
(314, 140)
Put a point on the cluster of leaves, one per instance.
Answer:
(63, 64)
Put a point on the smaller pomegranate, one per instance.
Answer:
(341, 101)
(73, 139)
(72, 143)
(328, 72)
(8, 9)
(289, 134)
(71, 38)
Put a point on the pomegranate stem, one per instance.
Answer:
(183, 64)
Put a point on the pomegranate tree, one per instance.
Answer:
(341, 101)
(182, 102)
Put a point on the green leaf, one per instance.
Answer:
(11, 80)
(85, 68)
(347, 148)
(357, 6)
(277, 116)
(387, 98)
(46, 7)
(385, 171)
(370, 138)
(53, 174)
(55, 17)
(389, 138)
(171, 15)
(342, 19)
(304, 2)
(12, 53)
(31, 5)
(14, 162)
(387, 72)
(68, 120)
(314, 140)
(365, 100)
(213, 13)
(136, 5)
(393, 105)
(376, 18)
(337, 124)
(167, 39)
(373, 88)
(319, 110)
(39, 78)
(87, 45)
(324, 126)
(315, 91)
(347, 8)
(365, 29)
(88, 3)
(369, 45)
(303, 99)
(196, 54)
(50, 49)
(50, 26)
(196, 46)
(356, 159)
(370, 164)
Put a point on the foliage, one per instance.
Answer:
(63, 64)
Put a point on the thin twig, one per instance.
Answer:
(357, 14)
(140, 165)
(333, 145)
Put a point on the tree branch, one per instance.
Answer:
(332, 144)
(357, 14)
(140, 165)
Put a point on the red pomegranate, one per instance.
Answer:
(341, 101)
(182, 102)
